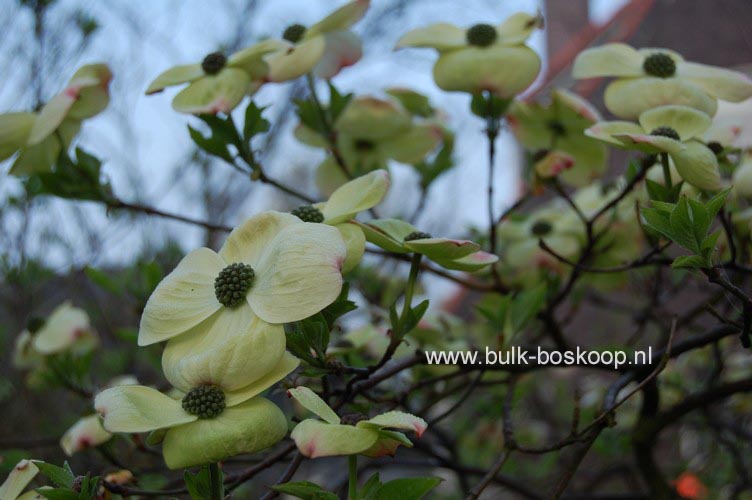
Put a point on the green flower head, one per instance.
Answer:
(397, 236)
(273, 269)
(322, 49)
(39, 138)
(558, 128)
(648, 78)
(210, 422)
(218, 83)
(470, 59)
(669, 129)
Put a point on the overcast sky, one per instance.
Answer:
(140, 38)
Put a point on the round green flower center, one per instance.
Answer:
(716, 147)
(213, 63)
(352, 418)
(363, 145)
(666, 132)
(308, 213)
(232, 283)
(417, 235)
(294, 33)
(204, 401)
(660, 65)
(556, 127)
(481, 35)
(541, 228)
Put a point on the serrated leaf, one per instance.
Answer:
(695, 261)
(657, 221)
(715, 203)
(683, 226)
(59, 476)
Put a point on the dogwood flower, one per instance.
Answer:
(669, 129)
(218, 83)
(523, 261)
(559, 128)
(322, 49)
(86, 433)
(273, 268)
(397, 236)
(40, 137)
(483, 57)
(67, 329)
(349, 435)
(343, 205)
(647, 78)
(212, 422)
(369, 132)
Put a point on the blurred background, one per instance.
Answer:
(148, 156)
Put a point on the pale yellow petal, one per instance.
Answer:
(441, 36)
(356, 196)
(299, 273)
(342, 49)
(318, 439)
(246, 243)
(183, 299)
(212, 94)
(86, 433)
(629, 97)
(295, 61)
(396, 420)
(286, 365)
(231, 349)
(20, 476)
(518, 27)
(65, 326)
(611, 59)
(135, 408)
(340, 19)
(478, 69)
(175, 76)
(355, 242)
(313, 403)
(687, 122)
(725, 84)
(247, 428)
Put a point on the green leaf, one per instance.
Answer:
(310, 116)
(337, 102)
(715, 204)
(254, 123)
(58, 494)
(339, 307)
(696, 261)
(657, 221)
(525, 306)
(199, 484)
(58, 475)
(305, 490)
(212, 144)
(683, 226)
(103, 280)
(373, 484)
(77, 180)
(412, 488)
